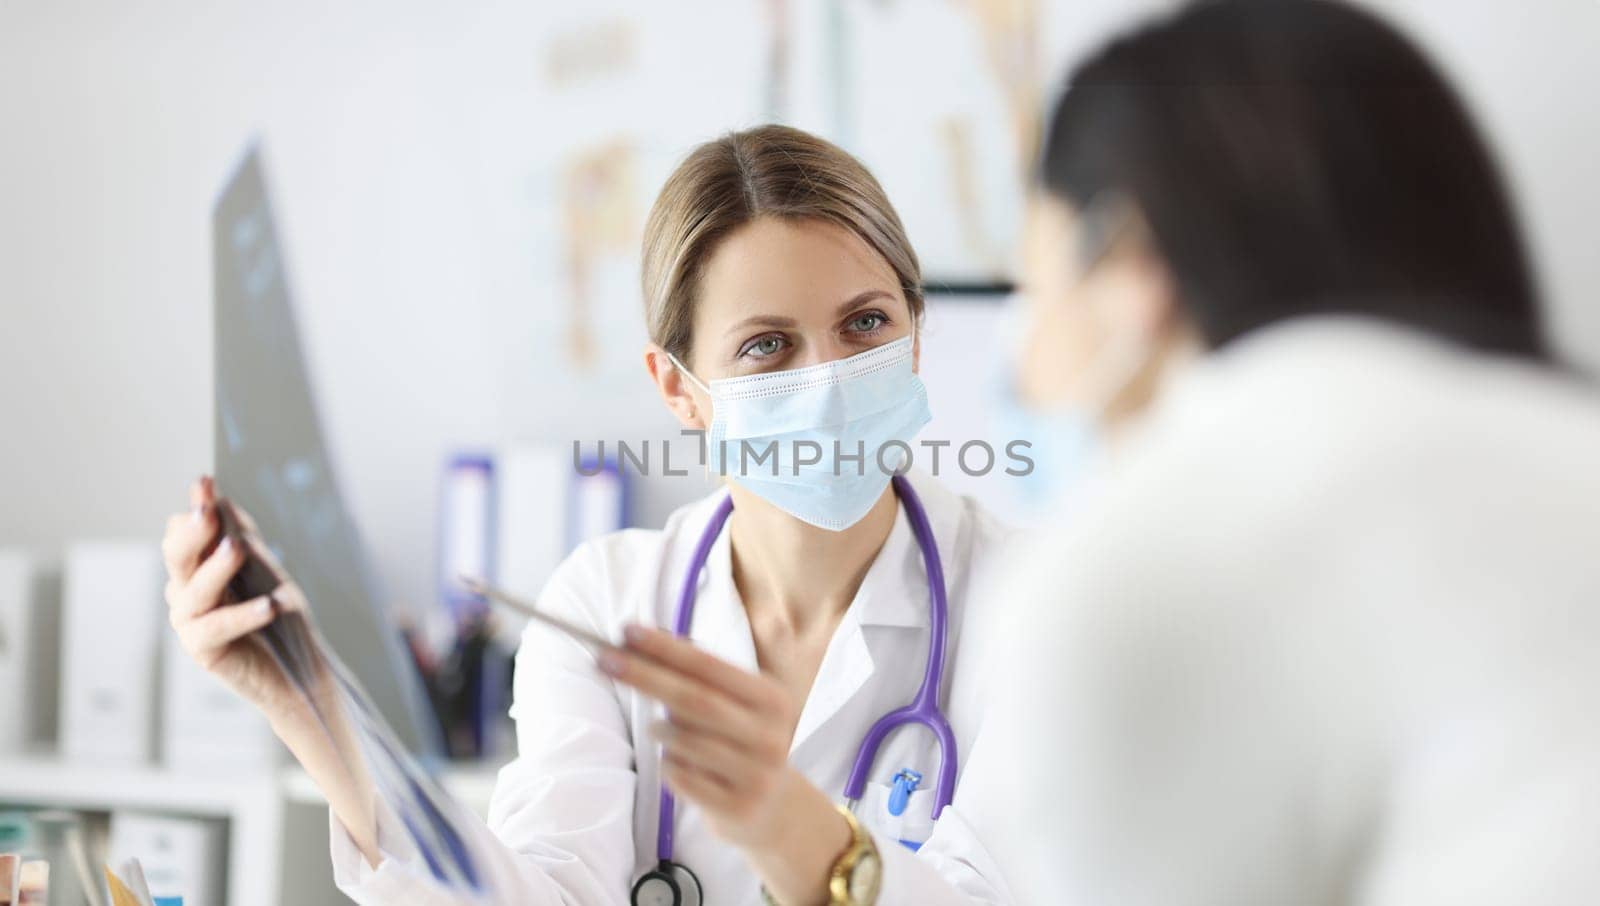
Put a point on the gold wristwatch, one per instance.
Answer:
(857, 873)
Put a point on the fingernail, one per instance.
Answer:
(264, 606)
(611, 663)
(226, 547)
(198, 513)
(633, 632)
(662, 731)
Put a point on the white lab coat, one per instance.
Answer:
(573, 818)
(1329, 633)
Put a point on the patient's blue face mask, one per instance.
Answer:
(1067, 438)
(1062, 442)
(821, 442)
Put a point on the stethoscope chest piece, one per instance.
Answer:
(668, 884)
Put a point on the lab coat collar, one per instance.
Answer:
(719, 611)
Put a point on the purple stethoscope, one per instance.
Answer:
(672, 884)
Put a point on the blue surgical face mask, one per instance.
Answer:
(821, 442)
(1062, 442)
(1068, 438)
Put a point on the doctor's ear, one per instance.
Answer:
(679, 394)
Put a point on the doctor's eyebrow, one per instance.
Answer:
(849, 305)
(862, 298)
(761, 321)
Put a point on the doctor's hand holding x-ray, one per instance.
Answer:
(201, 557)
(807, 637)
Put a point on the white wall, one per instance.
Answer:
(118, 122)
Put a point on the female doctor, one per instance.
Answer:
(778, 622)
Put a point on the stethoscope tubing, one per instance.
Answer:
(924, 707)
(682, 617)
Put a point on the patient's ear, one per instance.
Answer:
(681, 397)
(1134, 295)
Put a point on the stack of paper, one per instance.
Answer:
(179, 857)
(127, 885)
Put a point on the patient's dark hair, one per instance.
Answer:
(1295, 157)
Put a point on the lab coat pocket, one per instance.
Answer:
(911, 827)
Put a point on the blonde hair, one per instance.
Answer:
(768, 171)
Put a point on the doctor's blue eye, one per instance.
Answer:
(867, 322)
(762, 347)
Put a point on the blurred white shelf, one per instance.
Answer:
(50, 780)
(471, 785)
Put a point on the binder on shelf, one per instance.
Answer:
(30, 632)
(112, 616)
(598, 501)
(205, 727)
(19, 656)
(531, 510)
(467, 530)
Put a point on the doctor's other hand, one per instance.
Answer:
(214, 630)
(219, 633)
(725, 747)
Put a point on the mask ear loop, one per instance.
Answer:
(705, 440)
(1107, 217)
(684, 370)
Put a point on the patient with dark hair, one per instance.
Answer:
(1318, 624)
